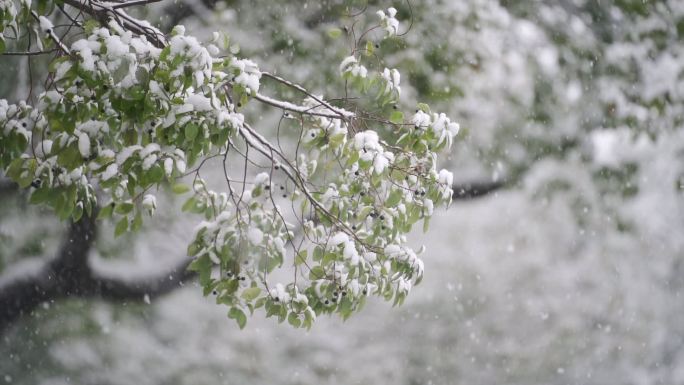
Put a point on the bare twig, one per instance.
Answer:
(134, 3)
(32, 53)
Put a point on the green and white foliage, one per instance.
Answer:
(127, 110)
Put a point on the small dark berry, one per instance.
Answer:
(282, 187)
(36, 183)
(92, 97)
(382, 217)
(382, 227)
(362, 193)
(284, 195)
(149, 131)
(105, 87)
(23, 124)
(78, 83)
(395, 106)
(276, 167)
(239, 104)
(356, 173)
(243, 278)
(344, 293)
(313, 135)
(353, 227)
(276, 299)
(267, 187)
(365, 291)
(377, 46)
(327, 302)
(214, 292)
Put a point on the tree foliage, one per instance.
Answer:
(127, 110)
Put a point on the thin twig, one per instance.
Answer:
(32, 53)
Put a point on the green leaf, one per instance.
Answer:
(124, 208)
(424, 107)
(397, 117)
(301, 257)
(260, 302)
(393, 199)
(370, 48)
(156, 174)
(78, 212)
(202, 266)
(318, 253)
(239, 316)
(334, 33)
(180, 188)
(189, 204)
(426, 224)
(294, 320)
(90, 25)
(191, 131)
(40, 195)
(251, 293)
(121, 226)
(137, 222)
(328, 258)
(193, 249)
(317, 272)
(2, 45)
(106, 212)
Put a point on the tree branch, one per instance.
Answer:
(474, 190)
(21, 293)
(117, 289)
(69, 275)
(102, 12)
(337, 113)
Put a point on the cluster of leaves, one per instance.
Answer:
(122, 116)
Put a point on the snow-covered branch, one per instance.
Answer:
(336, 113)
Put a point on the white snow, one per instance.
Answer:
(111, 171)
(149, 203)
(149, 161)
(339, 238)
(421, 119)
(255, 236)
(45, 24)
(249, 74)
(84, 144)
(168, 166)
(199, 102)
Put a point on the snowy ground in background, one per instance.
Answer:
(514, 293)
